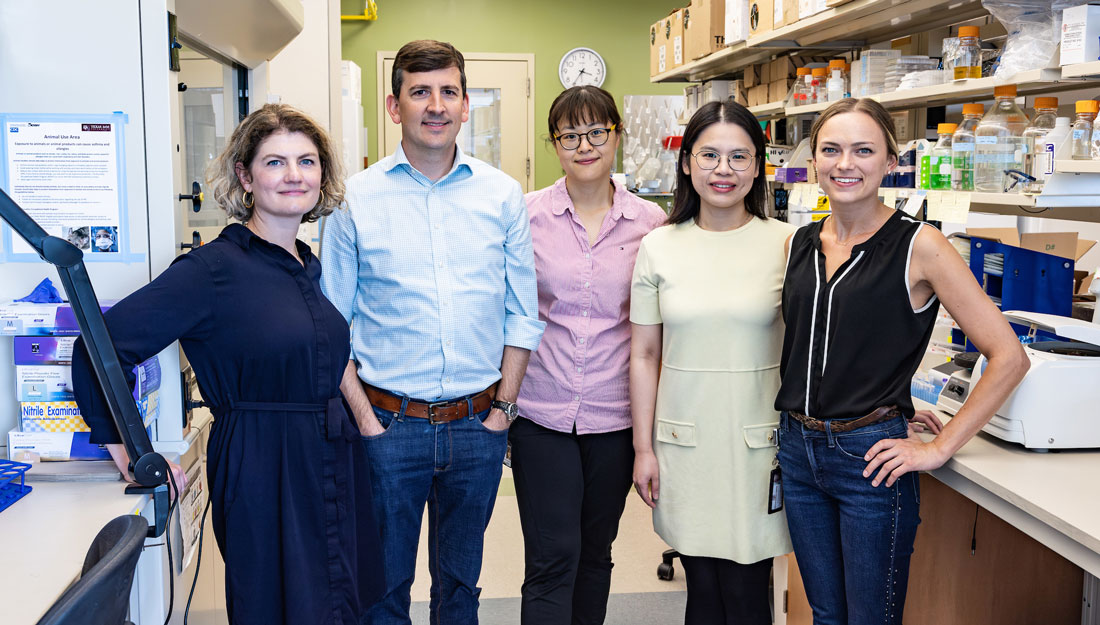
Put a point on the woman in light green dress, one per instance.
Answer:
(704, 369)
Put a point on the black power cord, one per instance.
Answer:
(198, 562)
(172, 505)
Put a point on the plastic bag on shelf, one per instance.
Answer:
(1034, 28)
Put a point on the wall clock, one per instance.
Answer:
(582, 66)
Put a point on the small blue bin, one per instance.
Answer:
(12, 486)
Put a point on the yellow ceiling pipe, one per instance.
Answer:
(370, 14)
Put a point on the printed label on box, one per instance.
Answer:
(46, 383)
(44, 350)
(56, 416)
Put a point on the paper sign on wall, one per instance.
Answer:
(64, 171)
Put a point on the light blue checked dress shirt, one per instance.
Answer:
(435, 278)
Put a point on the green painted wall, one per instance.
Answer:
(617, 29)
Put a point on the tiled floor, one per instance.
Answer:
(636, 552)
(635, 588)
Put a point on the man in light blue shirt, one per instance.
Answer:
(432, 265)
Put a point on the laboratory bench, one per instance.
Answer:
(45, 536)
(1007, 535)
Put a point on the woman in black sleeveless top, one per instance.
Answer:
(860, 298)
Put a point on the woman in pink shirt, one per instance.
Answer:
(572, 450)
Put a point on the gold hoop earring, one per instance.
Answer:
(248, 199)
(321, 202)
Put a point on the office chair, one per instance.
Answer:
(102, 594)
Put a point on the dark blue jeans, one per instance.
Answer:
(455, 468)
(853, 541)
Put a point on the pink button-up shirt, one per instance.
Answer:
(579, 374)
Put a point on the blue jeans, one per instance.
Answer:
(853, 541)
(455, 468)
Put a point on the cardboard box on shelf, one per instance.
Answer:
(656, 47)
(736, 21)
(761, 17)
(785, 12)
(807, 8)
(757, 95)
(704, 28)
(765, 73)
(783, 67)
(1080, 32)
(777, 89)
(751, 76)
(674, 39)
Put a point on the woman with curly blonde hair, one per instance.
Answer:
(289, 485)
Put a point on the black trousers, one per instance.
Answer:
(571, 490)
(723, 592)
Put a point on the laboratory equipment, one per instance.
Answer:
(1046, 147)
(999, 142)
(957, 388)
(148, 468)
(803, 87)
(1054, 407)
(1082, 129)
(837, 85)
(939, 160)
(818, 85)
(1046, 112)
(968, 59)
(962, 148)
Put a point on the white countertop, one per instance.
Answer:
(44, 537)
(1054, 497)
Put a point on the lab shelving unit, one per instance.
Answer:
(861, 22)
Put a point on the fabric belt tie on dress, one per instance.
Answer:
(434, 412)
(878, 415)
(337, 423)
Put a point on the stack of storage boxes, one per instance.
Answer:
(772, 81)
(50, 424)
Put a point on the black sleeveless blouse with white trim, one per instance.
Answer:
(853, 342)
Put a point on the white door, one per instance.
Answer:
(500, 131)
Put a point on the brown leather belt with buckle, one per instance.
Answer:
(880, 414)
(434, 412)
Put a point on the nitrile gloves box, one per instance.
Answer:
(43, 350)
(44, 383)
(29, 319)
(55, 446)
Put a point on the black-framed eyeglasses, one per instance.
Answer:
(596, 137)
(709, 159)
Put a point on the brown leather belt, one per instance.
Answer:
(434, 412)
(878, 415)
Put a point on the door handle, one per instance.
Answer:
(196, 241)
(195, 197)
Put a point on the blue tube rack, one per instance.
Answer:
(13, 486)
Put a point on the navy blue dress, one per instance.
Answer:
(288, 477)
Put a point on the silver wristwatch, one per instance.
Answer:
(510, 410)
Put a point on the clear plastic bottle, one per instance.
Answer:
(1046, 111)
(820, 94)
(837, 85)
(803, 88)
(1082, 129)
(999, 142)
(939, 170)
(1044, 154)
(962, 148)
(968, 63)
